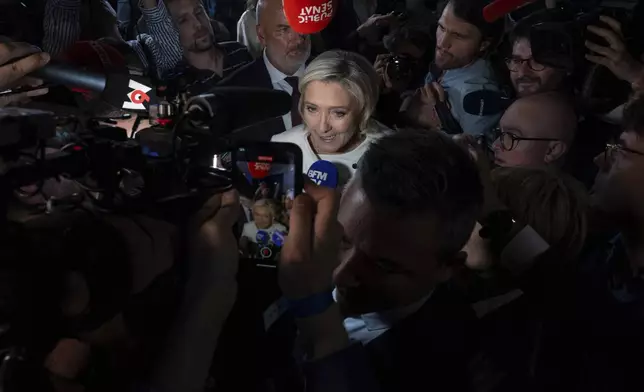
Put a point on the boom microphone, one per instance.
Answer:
(243, 106)
(499, 8)
(119, 89)
(324, 173)
(485, 103)
(309, 16)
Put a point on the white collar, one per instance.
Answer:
(277, 75)
(386, 319)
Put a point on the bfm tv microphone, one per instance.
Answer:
(309, 16)
(120, 89)
(499, 8)
(324, 173)
(485, 103)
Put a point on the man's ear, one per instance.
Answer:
(260, 35)
(555, 151)
(485, 44)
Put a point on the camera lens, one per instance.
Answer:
(399, 68)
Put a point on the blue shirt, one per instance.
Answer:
(457, 83)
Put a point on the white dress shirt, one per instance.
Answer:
(277, 79)
(369, 326)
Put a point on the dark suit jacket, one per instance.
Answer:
(255, 74)
(427, 351)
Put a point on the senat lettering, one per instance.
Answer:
(262, 166)
(316, 13)
(136, 96)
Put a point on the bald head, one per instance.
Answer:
(549, 116)
(286, 50)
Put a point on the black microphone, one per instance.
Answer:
(485, 103)
(120, 89)
(243, 106)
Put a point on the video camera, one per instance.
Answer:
(168, 162)
(557, 38)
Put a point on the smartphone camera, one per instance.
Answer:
(273, 172)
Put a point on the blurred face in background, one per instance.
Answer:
(619, 188)
(330, 115)
(286, 49)
(195, 29)
(263, 217)
(528, 76)
(458, 43)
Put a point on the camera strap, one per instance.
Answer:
(448, 122)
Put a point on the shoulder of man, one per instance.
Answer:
(245, 75)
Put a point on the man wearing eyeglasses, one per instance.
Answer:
(612, 268)
(529, 76)
(535, 130)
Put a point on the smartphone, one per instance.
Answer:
(273, 173)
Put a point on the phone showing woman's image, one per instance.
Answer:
(274, 173)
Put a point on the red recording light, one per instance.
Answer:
(77, 148)
(265, 158)
(164, 121)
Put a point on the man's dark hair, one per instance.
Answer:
(471, 11)
(633, 117)
(522, 28)
(419, 173)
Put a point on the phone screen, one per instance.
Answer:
(273, 172)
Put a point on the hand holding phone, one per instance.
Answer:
(273, 173)
(609, 50)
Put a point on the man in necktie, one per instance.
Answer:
(296, 118)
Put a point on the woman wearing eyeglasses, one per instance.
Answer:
(536, 130)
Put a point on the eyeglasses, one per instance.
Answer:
(509, 141)
(613, 149)
(514, 63)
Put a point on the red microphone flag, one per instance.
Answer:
(309, 16)
(259, 170)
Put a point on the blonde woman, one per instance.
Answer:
(339, 94)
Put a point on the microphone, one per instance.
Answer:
(94, 68)
(235, 103)
(262, 237)
(324, 173)
(259, 170)
(485, 103)
(499, 8)
(278, 238)
(309, 16)
(122, 90)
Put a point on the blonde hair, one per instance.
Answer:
(353, 72)
(264, 203)
(553, 203)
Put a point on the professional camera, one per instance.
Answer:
(557, 39)
(400, 68)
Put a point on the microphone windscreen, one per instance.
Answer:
(309, 16)
(324, 173)
(262, 237)
(259, 170)
(485, 103)
(499, 8)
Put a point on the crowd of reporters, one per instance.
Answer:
(463, 249)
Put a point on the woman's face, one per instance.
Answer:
(330, 115)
